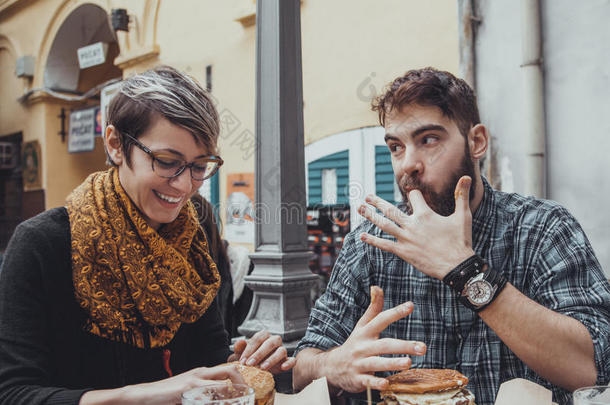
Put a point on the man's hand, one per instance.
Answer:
(351, 366)
(432, 243)
(263, 350)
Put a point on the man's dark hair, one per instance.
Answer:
(431, 87)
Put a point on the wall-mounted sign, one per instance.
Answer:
(82, 131)
(32, 172)
(98, 121)
(106, 95)
(92, 55)
(239, 224)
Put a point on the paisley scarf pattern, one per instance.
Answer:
(137, 285)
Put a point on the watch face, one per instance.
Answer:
(479, 292)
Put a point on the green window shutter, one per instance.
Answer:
(384, 175)
(338, 161)
(215, 195)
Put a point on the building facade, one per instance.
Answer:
(350, 51)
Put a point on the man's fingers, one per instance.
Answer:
(381, 243)
(376, 363)
(381, 321)
(382, 222)
(388, 209)
(398, 346)
(418, 202)
(289, 363)
(375, 307)
(376, 383)
(462, 195)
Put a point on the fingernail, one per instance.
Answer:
(420, 348)
(242, 360)
(361, 210)
(265, 365)
(250, 362)
(368, 198)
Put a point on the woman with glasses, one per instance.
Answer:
(110, 299)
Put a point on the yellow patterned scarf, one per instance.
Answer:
(137, 285)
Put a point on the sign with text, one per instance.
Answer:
(82, 131)
(106, 95)
(92, 55)
(239, 221)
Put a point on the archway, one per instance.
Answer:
(85, 25)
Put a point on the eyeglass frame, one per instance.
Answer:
(180, 170)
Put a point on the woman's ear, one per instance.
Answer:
(112, 142)
(478, 141)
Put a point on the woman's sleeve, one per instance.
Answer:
(26, 368)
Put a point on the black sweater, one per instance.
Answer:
(46, 357)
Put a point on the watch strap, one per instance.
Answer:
(459, 276)
(497, 281)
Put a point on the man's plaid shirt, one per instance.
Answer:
(537, 244)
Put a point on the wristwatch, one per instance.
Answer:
(482, 289)
(475, 286)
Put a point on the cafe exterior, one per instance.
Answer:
(61, 61)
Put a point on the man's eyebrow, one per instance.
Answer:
(429, 127)
(419, 130)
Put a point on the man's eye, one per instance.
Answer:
(395, 147)
(427, 140)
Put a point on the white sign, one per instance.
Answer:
(106, 95)
(81, 137)
(92, 55)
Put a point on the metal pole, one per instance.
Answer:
(533, 86)
(281, 279)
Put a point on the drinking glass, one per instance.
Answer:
(598, 395)
(219, 394)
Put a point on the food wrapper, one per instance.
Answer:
(516, 391)
(314, 393)
(523, 392)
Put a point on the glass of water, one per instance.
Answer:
(219, 394)
(598, 395)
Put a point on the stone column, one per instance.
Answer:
(281, 279)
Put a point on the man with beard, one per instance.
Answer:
(495, 285)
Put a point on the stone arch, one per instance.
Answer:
(10, 46)
(63, 15)
(12, 114)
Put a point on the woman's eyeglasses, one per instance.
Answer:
(168, 165)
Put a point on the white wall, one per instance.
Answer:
(576, 50)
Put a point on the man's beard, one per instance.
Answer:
(442, 203)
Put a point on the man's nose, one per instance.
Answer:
(411, 164)
(183, 181)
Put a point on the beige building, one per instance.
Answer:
(350, 50)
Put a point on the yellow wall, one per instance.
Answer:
(351, 49)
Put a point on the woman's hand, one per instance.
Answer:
(167, 391)
(264, 351)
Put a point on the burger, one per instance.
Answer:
(424, 386)
(260, 381)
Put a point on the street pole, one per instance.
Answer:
(281, 280)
